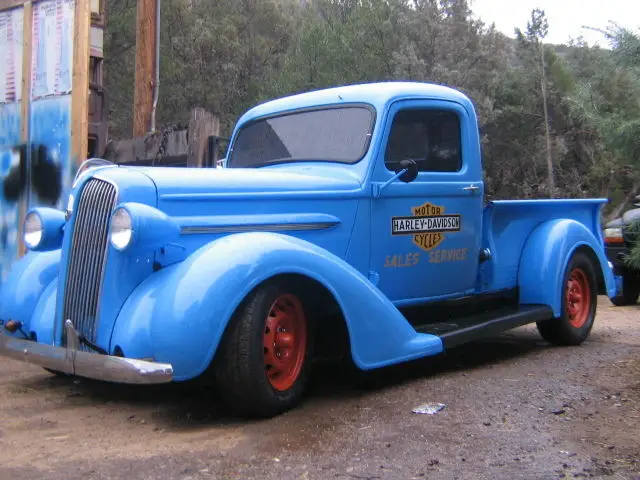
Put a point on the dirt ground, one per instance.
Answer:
(515, 408)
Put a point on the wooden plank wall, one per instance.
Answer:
(57, 120)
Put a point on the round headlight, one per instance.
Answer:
(121, 229)
(33, 230)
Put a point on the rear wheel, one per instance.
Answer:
(579, 300)
(261, 367)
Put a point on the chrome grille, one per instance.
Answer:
(87, 256)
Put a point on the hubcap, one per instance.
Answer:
(578, 298)
(285, 341)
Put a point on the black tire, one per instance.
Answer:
(630, 292)
(245, 379)
(574, 328)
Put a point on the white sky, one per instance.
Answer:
(565, 17)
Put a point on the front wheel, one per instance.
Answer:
(579, 301)
(261, 367)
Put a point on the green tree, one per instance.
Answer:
(634, 256)
(554, 120)
(537, 30)
(607, 101)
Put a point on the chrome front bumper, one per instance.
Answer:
(73, 361)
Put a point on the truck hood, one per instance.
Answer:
(180, 182)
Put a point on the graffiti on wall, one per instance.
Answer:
(51, 128)
(9, 218)
(37, 172)
(11, 28)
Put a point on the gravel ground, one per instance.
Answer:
(515, 408)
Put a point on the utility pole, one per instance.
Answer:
(145, 77)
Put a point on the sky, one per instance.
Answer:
(565, 17)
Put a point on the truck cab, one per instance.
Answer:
(352, 213)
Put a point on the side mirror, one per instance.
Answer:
(411, 170)
(407, 171)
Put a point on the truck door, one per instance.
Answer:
(426, 234)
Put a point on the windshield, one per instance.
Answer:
(335, 134)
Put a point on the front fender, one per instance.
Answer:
(545, 257)
(178, 315)
(25, 284)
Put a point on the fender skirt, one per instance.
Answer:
(27, 280)
(178, 315)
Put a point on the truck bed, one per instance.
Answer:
(508, 224)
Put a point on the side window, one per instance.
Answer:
(429, 137)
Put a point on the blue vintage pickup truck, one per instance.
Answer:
(350, 217)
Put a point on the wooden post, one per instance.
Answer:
(25, 106)
(202, 125)
(7, 4)
(145, 66)
(80, 85)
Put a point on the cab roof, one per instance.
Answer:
(377, 95)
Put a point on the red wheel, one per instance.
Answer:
(579, 300)
(285, 341)
(261, 363)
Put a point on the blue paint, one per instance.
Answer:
(27, 280)
(178, 311)
(52, 229)
(508, 226)
(50, 125)
(151, 228)
(546, 254)
(125, 272)
(190, 295)
(444, 191)
(10, 124)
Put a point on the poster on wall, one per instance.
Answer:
(44, 47)
(65, 45)
(11, 55)
(4, 55)
(52, 47)
(17, 26)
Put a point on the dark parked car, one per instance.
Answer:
(620, 236)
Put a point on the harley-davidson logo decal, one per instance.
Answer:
(428, 225)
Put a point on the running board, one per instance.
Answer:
(467, 329)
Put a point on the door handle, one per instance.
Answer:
(472, 188)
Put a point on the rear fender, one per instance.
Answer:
(545, 257)
(25, 284)
(179, 314)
